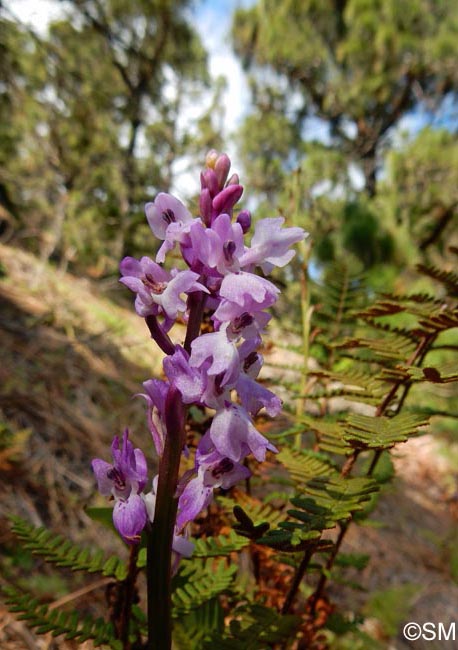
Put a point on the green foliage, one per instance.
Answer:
(341, 291)
(420, 193)
(218, 546)
(90, 114)
(257, 511)
(448, 278)
(256, 627)
(198, 582)
(59, 622)
(355, 560)
(200, 625)
(365, 432)
(63, 553)
(355, 69)
(327, 501)
(304, 465)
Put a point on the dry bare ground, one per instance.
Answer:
(71, 360)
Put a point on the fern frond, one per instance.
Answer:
(440, 322)
(198, 582)
(355, 384)
(329, 500)
(304, 464)
(199, 625)
(391, 347)
(365, 432)
(417, 304)
(64, 553)
(218, 546)
(330, 435)
(448, 278)
(59, 622)
(258, 511)
(388, 328)
(439, 374)
(255, 627)
(343, 291)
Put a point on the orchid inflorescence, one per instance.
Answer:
(215, 370)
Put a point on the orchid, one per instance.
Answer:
(158, 292)
(216, 370)
(169, 220)
(124, 479)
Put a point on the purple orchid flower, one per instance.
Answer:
(158, 292)
(124, 480)
(219, 246)
(214, 470)
(215, 346)
(244, 297)
(169, 220)
(235, 436)
(270, 244)
(189, 381)
(216, 370)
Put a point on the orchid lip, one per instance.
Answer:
(168, 216)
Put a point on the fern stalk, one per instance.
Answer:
(306, 312)
(306, 309)
(300, 572)
(416, 358)
(128, 590)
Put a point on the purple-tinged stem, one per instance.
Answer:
(160, 534)
(157, 333)
(196, 304)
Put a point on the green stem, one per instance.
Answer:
(306, 309)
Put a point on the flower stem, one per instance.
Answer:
(158, 335)
(196, 304)
(160, 534)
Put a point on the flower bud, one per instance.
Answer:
(209, 181)
(234, 180)
(226, 199)
(222, 167)
(244, 219)
(205, 203)
(211, 158)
